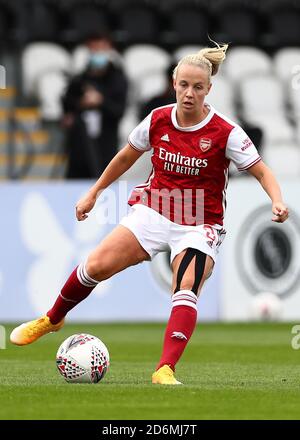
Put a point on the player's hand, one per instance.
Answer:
(280, 211)
(91, 98)
(85, 205)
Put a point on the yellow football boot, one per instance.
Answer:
(33, 330)
(165, 376)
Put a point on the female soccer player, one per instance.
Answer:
(180, 207)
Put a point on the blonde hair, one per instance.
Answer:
(210, 58)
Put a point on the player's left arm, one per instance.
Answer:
(269, 183)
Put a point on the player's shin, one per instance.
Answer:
(180, 327)
(77, 287)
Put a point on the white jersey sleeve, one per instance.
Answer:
(241, 150)
(139, 137)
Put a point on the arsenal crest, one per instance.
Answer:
(205, 144)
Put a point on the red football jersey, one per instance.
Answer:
(190, 164)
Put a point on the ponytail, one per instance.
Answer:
(208, 58)
(215, 55)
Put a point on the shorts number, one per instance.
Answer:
(210, 232)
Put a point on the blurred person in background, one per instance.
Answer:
(93, 104)
(180, 207)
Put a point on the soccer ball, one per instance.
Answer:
(266, 306)
(82, 358)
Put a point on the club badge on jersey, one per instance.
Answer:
(205, 144)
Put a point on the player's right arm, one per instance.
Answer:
(122, 161)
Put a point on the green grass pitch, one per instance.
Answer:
(229, 371)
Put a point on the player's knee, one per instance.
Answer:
(188, 284)
(191, 280)
(92, 268)
(98, 270)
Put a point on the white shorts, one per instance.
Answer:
(156, 233)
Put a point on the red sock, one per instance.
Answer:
(180, 327)
(77, 287)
